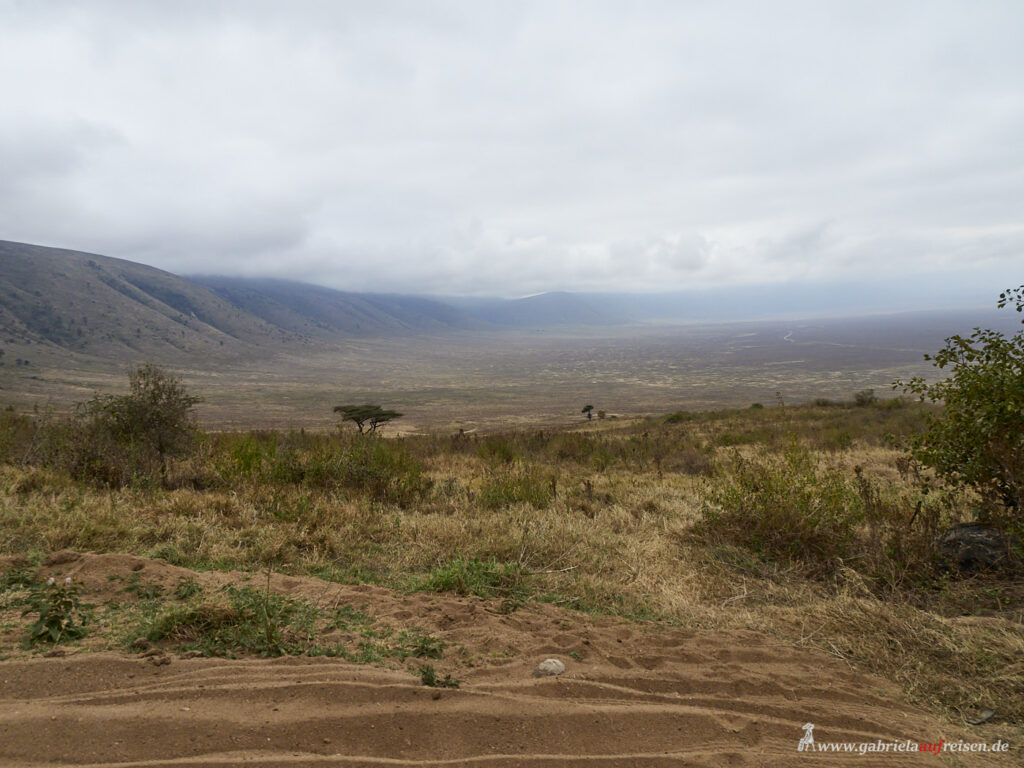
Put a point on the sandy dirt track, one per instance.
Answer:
(632, 695)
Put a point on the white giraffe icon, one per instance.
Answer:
(808, 739)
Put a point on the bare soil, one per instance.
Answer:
(633, 694)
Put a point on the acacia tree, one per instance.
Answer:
(977, 439)
(587, 409)
(366, 417)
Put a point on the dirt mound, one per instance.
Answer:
(631, 695)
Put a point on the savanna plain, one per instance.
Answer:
(733, 543)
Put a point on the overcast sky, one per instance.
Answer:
(514, 147)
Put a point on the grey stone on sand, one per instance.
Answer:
(549, 667)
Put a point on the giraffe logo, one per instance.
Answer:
(807, 740)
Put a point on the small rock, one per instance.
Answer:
(435, 695)
(974, 547)
(549, 667)
(140, 644)
(62, 557)
(156, 657)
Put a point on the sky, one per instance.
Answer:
(508, 148)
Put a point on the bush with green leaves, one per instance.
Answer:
(60, 613)
(119, 440)
(430, 678)
(977, 439)
(865, 398)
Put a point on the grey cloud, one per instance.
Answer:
(517, 147)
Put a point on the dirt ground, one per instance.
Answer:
(632, 694)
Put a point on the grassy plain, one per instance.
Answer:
(685, 507)
(493, 380)
(653, 519)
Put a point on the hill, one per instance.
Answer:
(55, 302)
(316, 311)
(111, 308)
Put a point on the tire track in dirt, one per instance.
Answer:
(637, 695)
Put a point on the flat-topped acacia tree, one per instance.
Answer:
(366, 417)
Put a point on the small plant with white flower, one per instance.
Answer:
(60, 613)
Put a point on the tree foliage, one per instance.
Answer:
(367, 416)
(977, 439)
(129, 437)
(1014, 295)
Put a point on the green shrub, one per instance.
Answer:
(977, 439)
(59, 610)
(252, 621)
(120, 440)
(785, 509)
(483, 578)
(865, 398)
(428, 676)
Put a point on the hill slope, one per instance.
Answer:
(55, 301)
(108, 307)
(324, 312)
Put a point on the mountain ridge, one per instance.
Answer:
(77, 302)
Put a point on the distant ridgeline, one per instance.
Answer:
(101, 306)
(65, 302)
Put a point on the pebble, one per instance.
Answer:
(549, 667)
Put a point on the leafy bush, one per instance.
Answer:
(59, 610)
(499, 450)
(118, 440)
(678, 417)
(977, 439)
(865, 398)
(429, 677)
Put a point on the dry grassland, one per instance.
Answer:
(628, 518)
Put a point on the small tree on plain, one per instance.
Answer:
(865, 398)
(588, 410)
(366, 417)
(146, 427)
